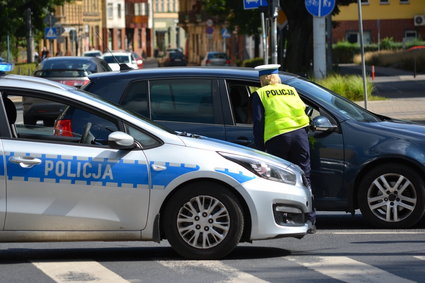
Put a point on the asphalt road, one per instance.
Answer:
(343, 250)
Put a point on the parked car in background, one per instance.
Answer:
(93, 53)
(139, 182)
(131, 59)
(172, 59)
(215, 59)
(68, 70)
(359, 159)
(71, 70)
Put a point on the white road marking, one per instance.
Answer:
(346, 269)
(78, 271)
(372, 232)
(232, 274)
(421, 257)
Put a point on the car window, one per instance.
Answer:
(146, 140)
(136, 98)
(182, 100)
(118, 58)
(339, 103)
(49, 120)
(240, 99)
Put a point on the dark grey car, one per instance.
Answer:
(359, 159)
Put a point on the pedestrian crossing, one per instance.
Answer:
(341, 268)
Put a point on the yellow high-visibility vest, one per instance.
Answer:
(284, 110)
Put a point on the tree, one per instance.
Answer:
(12, 18)
(299, 48)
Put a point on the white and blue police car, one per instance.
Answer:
(139, 182)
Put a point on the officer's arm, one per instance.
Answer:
(258, 121)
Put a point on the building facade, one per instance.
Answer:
(401, 20)
(167, 34)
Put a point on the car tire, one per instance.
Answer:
(203, 220)
(392, 196)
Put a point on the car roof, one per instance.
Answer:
(58, 58)
(117, 53)
(228, 73)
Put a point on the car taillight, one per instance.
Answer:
(207, 62)
(63, 128)
(139, 64)
(76, 83)
(227, 62)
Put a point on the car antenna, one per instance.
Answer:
(123, 66)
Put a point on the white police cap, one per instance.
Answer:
(268, 69)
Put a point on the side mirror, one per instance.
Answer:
(121, 140)
(321, 123)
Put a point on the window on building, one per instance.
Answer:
(119, 38)
(354, 37)
(365, 2)
(404, 1)
(410, 35)
(384, 1)
(145, 9)
(110, 11)
(119, 11)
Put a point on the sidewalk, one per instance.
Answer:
(412, 109)
(405, 108)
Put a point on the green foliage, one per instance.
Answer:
(24, 69)
(389, 44)
(344, 51)
(350, 87)
(13, 22)
(253, 62)
(401, 59)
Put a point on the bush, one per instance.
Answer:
(253, 62)
(350, 87)
(402, 59)
(24, 69)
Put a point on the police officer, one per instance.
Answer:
(280, 122)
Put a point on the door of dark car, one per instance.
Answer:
(327, 148)
(190, 105)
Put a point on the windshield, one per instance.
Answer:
(329, 99)
(118, 58)
(72, 64)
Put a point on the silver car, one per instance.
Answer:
(140, 182)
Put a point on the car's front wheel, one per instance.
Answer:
(203, 220)
(392, 196)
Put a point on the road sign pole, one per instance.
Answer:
(319, 47)
(264, 34)
(359, 4)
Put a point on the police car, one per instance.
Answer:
(140, 182)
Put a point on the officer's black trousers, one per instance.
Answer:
(294, 147)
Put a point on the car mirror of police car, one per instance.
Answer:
(121, 140)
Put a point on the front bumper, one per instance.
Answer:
(278, 210)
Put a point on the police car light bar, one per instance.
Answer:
(5, 67)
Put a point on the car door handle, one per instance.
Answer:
(25, 161)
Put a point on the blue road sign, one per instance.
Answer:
(320, 8)
(50, 33)
(225, 33)
(254, 4)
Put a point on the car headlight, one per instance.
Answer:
(264, 169)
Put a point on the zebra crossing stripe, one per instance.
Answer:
(232, 274)
(346, 269)
(78, 271)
